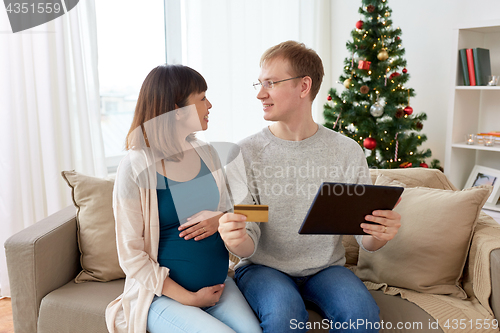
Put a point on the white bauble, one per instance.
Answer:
(377, 109)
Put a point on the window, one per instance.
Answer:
(131, 42)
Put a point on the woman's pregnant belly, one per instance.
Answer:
(194, 264)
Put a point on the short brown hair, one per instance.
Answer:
(166, 88)
(302, 60)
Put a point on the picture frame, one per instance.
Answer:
(482, 175)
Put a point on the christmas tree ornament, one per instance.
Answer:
(364, 89)
(393, 75)
(359, 25)
(397, 38)
(424, 165)
(408, 110)
(355, 57)
(405, 70)
(329, 98)
(397, 146)
(336, 121)
(399, 113)
(419, 126)
(370, 8)
(377, 109)
(347, 83)
(383, 55)
(363, 64)
(370, 143)
(405, 165)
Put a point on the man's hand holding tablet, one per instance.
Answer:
(352, 209)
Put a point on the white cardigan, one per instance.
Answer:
(135, 209)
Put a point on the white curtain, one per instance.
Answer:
(49, 118)
(224, 40)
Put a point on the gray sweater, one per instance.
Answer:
(285, 175)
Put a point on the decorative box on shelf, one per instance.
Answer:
(495, 136)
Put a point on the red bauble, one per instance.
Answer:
(405, 70)
(424, 165)
(397, 38)
(329, 98)
(359, 24)
(393, 75)
(408, 110)
(370, 143)
(405, 165)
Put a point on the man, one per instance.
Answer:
(282, 271)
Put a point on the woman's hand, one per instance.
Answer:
(208, 296)
(201, 225)
(204, 297)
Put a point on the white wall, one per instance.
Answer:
(427, 32)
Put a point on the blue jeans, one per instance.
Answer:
(279, 300)
(231, 314)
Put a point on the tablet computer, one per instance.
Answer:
(339, 209)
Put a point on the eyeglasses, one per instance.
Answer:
(268, 84)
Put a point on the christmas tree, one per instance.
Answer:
(374, 109)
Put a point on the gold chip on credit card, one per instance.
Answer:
(254, 213)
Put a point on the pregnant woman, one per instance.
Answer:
(169, 193)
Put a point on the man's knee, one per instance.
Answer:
(285, 318)
(362, 307)
(273, 296)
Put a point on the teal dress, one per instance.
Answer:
(192, 264)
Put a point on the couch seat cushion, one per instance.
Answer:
(395, 313)
(78, 308)
(394, 310)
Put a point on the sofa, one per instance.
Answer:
(44, 259)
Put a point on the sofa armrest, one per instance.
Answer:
(495, 282)
(482, 271)
(40, 259)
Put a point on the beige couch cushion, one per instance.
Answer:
(96, 227)
(78, 308)
(429, 252)
(351, 247)
(412, 177)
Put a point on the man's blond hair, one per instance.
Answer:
(302, 60)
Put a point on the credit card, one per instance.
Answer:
(254, 213)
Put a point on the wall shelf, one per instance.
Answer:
(478, 146)
(477, 87)
(473, 109)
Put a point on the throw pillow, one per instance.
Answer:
(429, 252)
(386, 181)
(351, 247)
(416, 177)
(96, 227)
